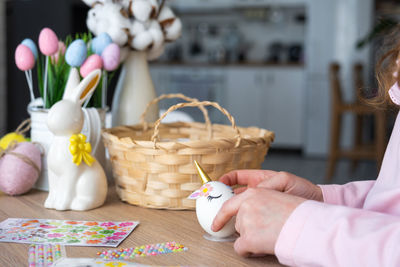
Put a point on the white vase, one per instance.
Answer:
(93, 122)
(134, 91)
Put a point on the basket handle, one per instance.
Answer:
(196, 104)
(182, 96)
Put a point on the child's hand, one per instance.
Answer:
(260, 216)
(279, 181)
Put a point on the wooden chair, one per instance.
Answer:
(359, 150)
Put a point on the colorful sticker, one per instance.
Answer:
(141, 251)
(65, 232)
(204, 191)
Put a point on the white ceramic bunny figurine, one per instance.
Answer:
(72, 186)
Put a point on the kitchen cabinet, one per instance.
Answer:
(270, 98)
(187, 5)
(242, 96)
(201, 82)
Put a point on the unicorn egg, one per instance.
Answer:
(209, 200)
(212, 196)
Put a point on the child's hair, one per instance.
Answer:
(386, 68)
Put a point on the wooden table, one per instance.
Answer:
(156, 226)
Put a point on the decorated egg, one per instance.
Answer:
(10, 137)
(48, 42)
(24, 58)
(32, 46)
(76, 53)
(100, 42)
(19, 168)
(91, 63)
(209, 200)
(61, 51)
(111, 57)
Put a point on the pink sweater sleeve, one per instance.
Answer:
(351, 194)
(320, 234)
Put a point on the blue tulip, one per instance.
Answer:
(76, 53)
(100, 42)
(32, 46)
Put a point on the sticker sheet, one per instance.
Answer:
(44, 255)
(141, 251)
(64, 232)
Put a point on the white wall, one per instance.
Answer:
(347, 20)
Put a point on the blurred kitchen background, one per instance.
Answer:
(266, 61)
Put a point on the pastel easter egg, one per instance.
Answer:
(16, 175)
(32, 46)
(76, 53)
(91, 63)
(100, 42)
(111, 57)
(48, 42)
(24, 58)
(60, 52)
(10, 137)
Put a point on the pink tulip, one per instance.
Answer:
(60, 52)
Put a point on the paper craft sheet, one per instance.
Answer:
(65, 232)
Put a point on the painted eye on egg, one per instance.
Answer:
(209, 198)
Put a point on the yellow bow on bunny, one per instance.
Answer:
(80, 149)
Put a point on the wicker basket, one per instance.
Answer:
(153, 163)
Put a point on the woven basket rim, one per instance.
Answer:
(109, 134)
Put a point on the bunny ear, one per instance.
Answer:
(85, 88)
(72, 82)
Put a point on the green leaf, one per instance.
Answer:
(40, 73)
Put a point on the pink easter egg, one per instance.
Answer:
(111, 57)
(16, 175)
(60, 52)
(48, 42)
(24, 58)
(91, 63)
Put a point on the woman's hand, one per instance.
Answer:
(278, 181)
(260, 216)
